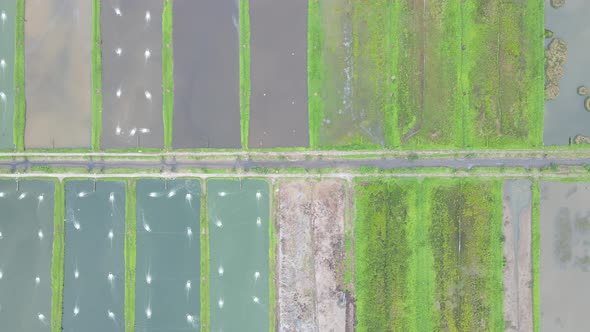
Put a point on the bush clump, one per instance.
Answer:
(555, 58)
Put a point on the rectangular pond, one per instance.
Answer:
(565, 256)
(206, 74)
(58, 57)
(26, 239)
(278, 100)
(238, 214)
(7, 44)
(168, 276)
(565, 116)
(132, 74)
(94, 265)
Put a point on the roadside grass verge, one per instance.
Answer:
(167, 73)
(205, 261)
(466, 237)
(20, 103)
(536, 256)
(57, 261)
(96, 76)
(130, 254)
(244, 71)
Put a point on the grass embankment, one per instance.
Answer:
(96, 76)
(424, 243)
(57, 261)
(272, 259)
(428, 53)
(503, 72)
(20, 103)
(536, 256)
(315, 74)
(167, 73)
(130, 254)
(466, 236)
(205, 261)
(244, 71)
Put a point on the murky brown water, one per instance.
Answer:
(278, 101)
(206, 74)
(131, 84)
(565, 256)
(58, 55)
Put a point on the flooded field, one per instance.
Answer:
(7, 44)
(132, 74)
(518, 305)
(168, 254)
(565, 256)
(206, 74)
(238, 213)
(94, 272)
(58, 45)
(278, 101)
(26, 238)
(565, 116)
(311, 256)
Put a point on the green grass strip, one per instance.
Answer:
(536, 256)
(422, 261)
(244, 71)
(534, 30)
(57, 262)
(20, 103)
(167, 73)
(315, 71)
(205, 262)
(130, 255)
(96, 77)
(273, 243)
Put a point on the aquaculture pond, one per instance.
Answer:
(278, 100)
(58, 45)
(167, 296)
(94, 266)
(131, 74)
(238, 215)
(206, 74)
(26, 238)
(565, 115)
(565, 255)
(7, 44)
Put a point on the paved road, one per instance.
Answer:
(174, 165)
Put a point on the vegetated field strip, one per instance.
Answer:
(168, 255)
(26, 236)
(19, 78)
(7, 77)
(238, 213)
(96, 76)
(168, 72)
(503, 73)
(536, 255)
(94, 270)
(244, 32)
(130, 253)
(417, 244)
(57, 261)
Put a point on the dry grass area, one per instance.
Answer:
(311, 255)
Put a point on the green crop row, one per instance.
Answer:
(57, 261)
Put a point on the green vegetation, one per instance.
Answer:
(244, 71)
(130, 255)
(315, 74)
(57, 261)
(429, 255)
(167, 73)
(96, 76)
(20, 103)
(272, 258)
(536, 256)
(205, 262)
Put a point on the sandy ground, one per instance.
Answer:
(517, 251)
(311, 256)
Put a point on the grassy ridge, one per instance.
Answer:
(20, 103)
(96, 76)
(536, 256)
(57, 261)
(205, 261)
(466, 236)
(244, 71)
(167, 73)
(130, 254)
(315, 73)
